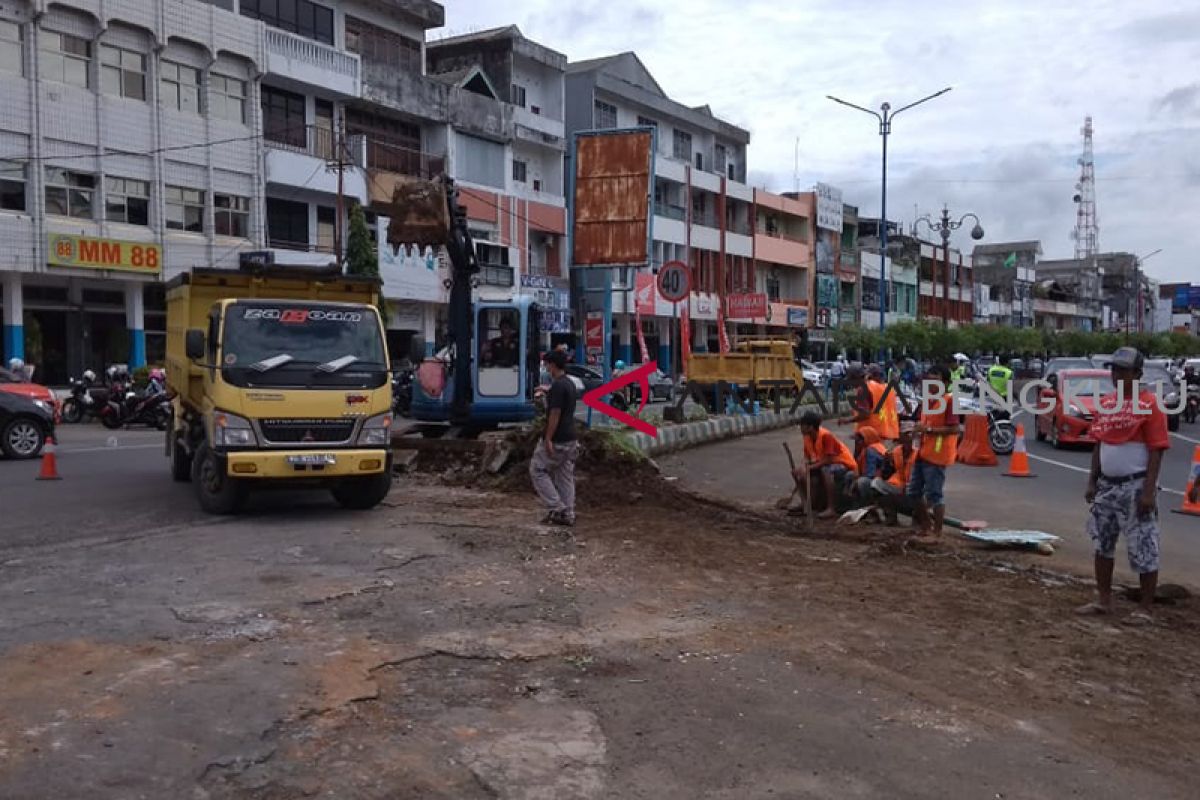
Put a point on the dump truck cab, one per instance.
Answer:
(281, 380)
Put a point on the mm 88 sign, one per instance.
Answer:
(674, 281)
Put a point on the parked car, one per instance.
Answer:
(813, 373)
(17, 384)
(1035, 368)
(1056, 365)
(1158, 379)
(1071, 423)
(591, 377)
(1017, 365)
(24, 425)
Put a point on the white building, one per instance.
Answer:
(702, 205)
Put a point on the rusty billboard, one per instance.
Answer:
(612, 191)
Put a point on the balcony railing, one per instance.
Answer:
(705, 217)
(301, 247)
(314, 54)
(670, 211)
(317, 141)
(394, 156)
(775, 233)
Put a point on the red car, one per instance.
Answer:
(17, 384)
(1070, 423)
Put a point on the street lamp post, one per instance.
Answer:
(885, 116)
(945, 227)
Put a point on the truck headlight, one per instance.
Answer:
(376, 431)
(230, 430)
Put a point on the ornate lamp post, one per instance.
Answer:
(945, 226)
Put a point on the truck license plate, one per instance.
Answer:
(313, 459)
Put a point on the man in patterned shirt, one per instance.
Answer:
(1131, 439)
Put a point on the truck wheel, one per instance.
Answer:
(216, 491)
(363, 493)
(181, 461)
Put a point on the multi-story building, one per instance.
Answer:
(703, 209)
(1009, 269)
(784, 236)
(1084, 287)
(1107, 287)
(130, 151)
(908, 259)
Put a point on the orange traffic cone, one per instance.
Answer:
(1018, 465)
(1192, 509)
(49, 463)
(975, 448)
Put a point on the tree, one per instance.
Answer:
(362, 258)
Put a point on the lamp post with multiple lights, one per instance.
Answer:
(945, 226)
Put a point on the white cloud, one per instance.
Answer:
(1002, 144)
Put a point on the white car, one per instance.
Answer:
(812, 373)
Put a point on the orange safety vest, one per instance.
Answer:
(886, 421)
(940, 448)
(828, 443)
(903, 466)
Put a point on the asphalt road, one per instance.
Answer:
(754, 470)
(114, 484)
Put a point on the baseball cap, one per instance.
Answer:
(1127, 358)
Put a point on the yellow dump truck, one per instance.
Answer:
(760, 367)
(281, 379)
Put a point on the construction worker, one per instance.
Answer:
(870, 455)
(829, 460)
(871, 408)
(1131, 436)
(999, 377)
(939, 445)
(892, 497)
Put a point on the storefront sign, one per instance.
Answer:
(797, 317)
(555, 321)
(644, 294)
(746, 306)
(829, 207)
(66, 250)
(593, 332)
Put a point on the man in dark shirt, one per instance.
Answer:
(502, 351)
(552, 467)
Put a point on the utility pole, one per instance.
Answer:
(339, 150)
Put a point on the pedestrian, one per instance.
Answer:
(1131, 439)
(939, 445)
(552, 467)
(829, 460)
(837, 377)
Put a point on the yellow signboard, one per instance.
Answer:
(66, 250)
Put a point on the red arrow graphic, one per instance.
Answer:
(595, 398)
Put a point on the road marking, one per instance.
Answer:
(118, 447)
(1065, 465)
(1186, 438)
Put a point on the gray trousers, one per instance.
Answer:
(554, 476)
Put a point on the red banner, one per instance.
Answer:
(593, 335)
(746, 306)
(685, 332)
(643, 293)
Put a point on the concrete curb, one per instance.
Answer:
(672, 438)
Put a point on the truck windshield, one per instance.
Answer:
(266, 344)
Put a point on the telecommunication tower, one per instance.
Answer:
(1087, 229)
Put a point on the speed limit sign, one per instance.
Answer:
(674, 281)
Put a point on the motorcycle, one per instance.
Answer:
(1002, 436)
(151, 407)
(85, 400)
(402, 391)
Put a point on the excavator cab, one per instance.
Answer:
(505, 367)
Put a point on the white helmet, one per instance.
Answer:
(89, 376)
(960, 358)
(16, 364)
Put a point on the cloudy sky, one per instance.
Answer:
(1003, 144)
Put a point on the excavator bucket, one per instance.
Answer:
(419, 214)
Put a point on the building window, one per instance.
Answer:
(303, 17)
(12, 47)
(773, 289)
(646, 122)
(185, 209)
(69, 194)
(122, 72)
(127, 200)
(284, 117)
(227, 98)
(604, 116)
(519, 171)
(381, 46)
(180, 88)
(699, 160)
(683, 145)
(232, 215)
(65, 58)
(537, 185)
(518, 95)
(479, 161)
(326, 229)
(287, 224)
(12, 186)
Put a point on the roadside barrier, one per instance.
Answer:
(975, 449)
(49, 462)
(1018, 465)
(1189, 508)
